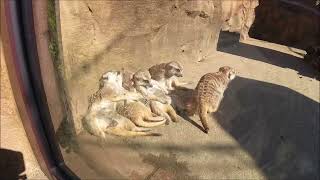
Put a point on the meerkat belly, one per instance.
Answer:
(135, 109)
(106, 119)
(104, 105)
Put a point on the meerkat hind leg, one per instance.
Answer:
(172, 113)
(158, 111)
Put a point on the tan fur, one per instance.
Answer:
(140, 115)
(101, 117)
(158, 101)
(209, 93)
(127, 82)
(166, 74)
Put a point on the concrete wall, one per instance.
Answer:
(98, 36)
(293, 23)
(101, 35)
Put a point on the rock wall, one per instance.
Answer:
(101, 35)
(293, 23)
(238, 16)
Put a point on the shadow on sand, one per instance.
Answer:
(229, 43)
(276, 125)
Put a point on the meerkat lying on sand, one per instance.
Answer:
(157, 99)
(101, 117)
(140, 114)
(167, 75)
(209, 93)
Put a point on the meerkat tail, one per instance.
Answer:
(141, 129)
(155, 118)
(126, 133)
(142, 123)
(203, 113)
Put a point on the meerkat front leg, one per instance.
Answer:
(172, 113)
(169, 84)
(151, 97)
(177, 83)
(157, 84)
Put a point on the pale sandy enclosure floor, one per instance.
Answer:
(267, 126)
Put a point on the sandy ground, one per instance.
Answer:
(15, 149)
(266, 127)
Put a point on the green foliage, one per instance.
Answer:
(53, 37)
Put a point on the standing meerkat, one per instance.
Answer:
(167, 75)
(209, 93)
(156, 98)
(101, 117)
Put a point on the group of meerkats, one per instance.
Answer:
(130, 104)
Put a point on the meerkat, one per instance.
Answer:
(140, 114)
(101, 117)
(209, 93)
(127, 82)
(167, 75)
(156, 98)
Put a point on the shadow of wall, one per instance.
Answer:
(292, 23)
(276, 125)
(98, 36)
(229, 43)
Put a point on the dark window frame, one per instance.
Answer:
(22, 60)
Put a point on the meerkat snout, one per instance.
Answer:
(174, 69)
(142, 78)
(230, 72)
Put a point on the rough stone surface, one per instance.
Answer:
(101, 35)
(238, 16)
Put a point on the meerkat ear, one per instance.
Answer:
(222, 69)
(101, 84)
